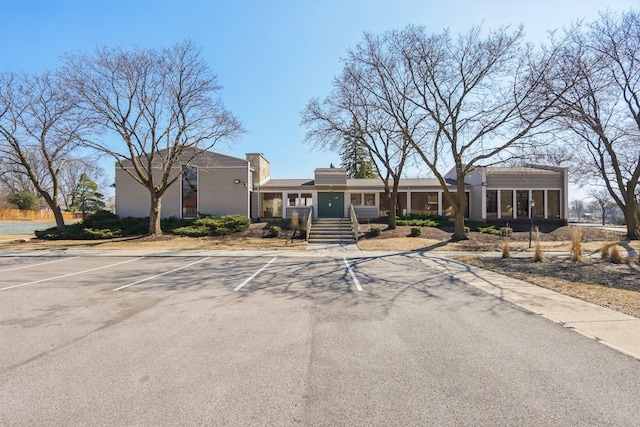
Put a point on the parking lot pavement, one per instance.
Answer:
(153, 340)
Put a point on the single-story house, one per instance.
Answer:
(217, 184)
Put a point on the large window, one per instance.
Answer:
(538, 199)
(189, 192)
(424, 203)
(522, 203)
(401, 206)
(492, 204)
(553, 204)
(356, 199)
(506, 203)
(271, 205)
(447, 208)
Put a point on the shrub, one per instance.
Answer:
(424, 220)
(614, 256)
(467, 230)
(576, 245)
(416, 231)
(538, 256)
(489, 230)
(417, 222)
(476, 225)
(302, 233)
(274, 231)
(375, 230)
(505, 250)
(506, 231)
(192, 231)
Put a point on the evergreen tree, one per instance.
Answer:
(87, 198)
(356, 159)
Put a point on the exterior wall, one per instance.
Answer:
(260, 164)
(331, 177)
(525, 181)
(477, 202)
(219, 195)
(132, 199)
(172, 199)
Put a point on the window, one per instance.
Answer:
(538, 209)
(522, 203)
(369, 199)
(492, 203)
(506, 203)
(189, 192)
(424, 203)
(447, 208)
(271, 205)
(363, 199)
(401, 205)
(553, 204)
(297, 199)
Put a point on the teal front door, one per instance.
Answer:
(330, 205)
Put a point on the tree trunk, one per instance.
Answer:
(57, 214)
(393, 205)
(154, 215)
(460, 206)
(631, 217)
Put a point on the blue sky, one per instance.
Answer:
(271, 57)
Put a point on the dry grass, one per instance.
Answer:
(614, 255)
(538, 256)
(576, 245)
(505, 249)
(616, 286)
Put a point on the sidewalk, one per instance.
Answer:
(614, 329)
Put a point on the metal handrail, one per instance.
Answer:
(355, 227)
(308, 228)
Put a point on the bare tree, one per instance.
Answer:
(603, 201)
(362, 108)
(577, 207)
(483, 96)
(39, 129)
(163, 104)
(455, 102)
(602, 111)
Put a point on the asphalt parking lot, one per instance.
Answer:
(272, 339)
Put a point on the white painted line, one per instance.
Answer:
(71, 274)
(254, 275)
(162, 274)
(35, 265)
(353, 275)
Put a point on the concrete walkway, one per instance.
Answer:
(614, 329)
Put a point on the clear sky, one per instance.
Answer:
(271, 57)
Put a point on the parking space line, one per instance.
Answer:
(162, 274)
(35, 265)
(70, 274)
(254, 275)
(353, 275)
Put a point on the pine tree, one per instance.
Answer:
(356, 159)
(87, 199)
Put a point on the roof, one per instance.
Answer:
(373, 183)
(203, 159)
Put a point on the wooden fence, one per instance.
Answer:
(43, 215)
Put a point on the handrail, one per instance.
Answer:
(308, 228)
(355, 227)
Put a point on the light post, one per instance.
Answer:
(532, 203)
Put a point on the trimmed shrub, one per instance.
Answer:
(467, 230)
(489, 230)
(375, 230)
(416, 231)
(193, 231)
(274, 231)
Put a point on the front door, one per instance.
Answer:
(330, 205)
